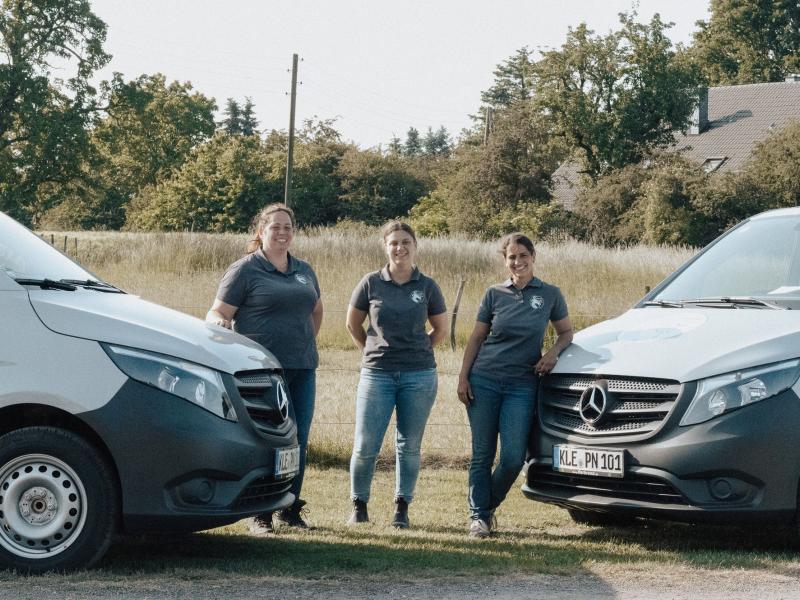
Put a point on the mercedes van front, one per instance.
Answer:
(685, 407)
(117, 414)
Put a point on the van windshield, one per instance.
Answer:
(23, 255)
(758, 260)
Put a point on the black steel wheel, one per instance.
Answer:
(58, 501)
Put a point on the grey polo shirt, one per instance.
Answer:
(274, 308)
(517, 320)
(396, 336)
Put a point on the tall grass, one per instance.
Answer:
(182, 271)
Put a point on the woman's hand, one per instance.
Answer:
(465, 391)
(221, 314)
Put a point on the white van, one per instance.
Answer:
(117, 414)
(686, 407)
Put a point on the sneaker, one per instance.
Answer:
(262, 524)
(400, 520)
(293, 515)
(479, 529)
(359, 514)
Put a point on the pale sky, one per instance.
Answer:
(378, 67)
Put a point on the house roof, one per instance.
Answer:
(739, 116)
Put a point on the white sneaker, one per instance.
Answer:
(479, 529)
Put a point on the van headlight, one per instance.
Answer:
(724, 393)
(197, 384)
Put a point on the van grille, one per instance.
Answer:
(641, 488)
(261, 490)
(265, 397)
(635, 406)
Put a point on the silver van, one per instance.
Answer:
(118, 414)
(685, 407)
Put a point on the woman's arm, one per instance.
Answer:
(476, 338)
(563, 339)
(438, 328)
(316, 317)
(221, 314)
(355, 326)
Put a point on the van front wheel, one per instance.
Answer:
(58, 501)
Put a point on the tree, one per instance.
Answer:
(44, 121)
(512, 81)
(232, 123)
(616, 98)
(249, 123)
(436, 143)
(413, 144)
(749, 41)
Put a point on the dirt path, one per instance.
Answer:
(677, 584)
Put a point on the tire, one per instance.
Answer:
(600, 519)
(58, 501)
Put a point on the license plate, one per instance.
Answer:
(287, 461)
(589, 461)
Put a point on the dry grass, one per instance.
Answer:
(182, 270)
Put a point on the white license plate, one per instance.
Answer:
(589, 461)
(287, 461)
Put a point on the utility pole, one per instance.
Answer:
(489, 126)
(287, 194)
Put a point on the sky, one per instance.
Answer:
(377, 67)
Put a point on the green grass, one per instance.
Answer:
(533, 538)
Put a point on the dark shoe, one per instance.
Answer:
(400, 520)
(359, 513)
(293, 516)
(262, 524)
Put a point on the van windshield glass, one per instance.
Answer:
(23, 255)
(760, 259)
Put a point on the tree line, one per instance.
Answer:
(147, 153)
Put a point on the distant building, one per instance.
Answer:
(725, 127)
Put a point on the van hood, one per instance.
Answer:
(130, 321)
(683, 344)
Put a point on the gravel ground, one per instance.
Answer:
(676, 584)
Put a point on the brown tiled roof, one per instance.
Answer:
(739, 116)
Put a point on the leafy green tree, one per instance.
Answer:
(413, 143)
(749, 41)
(436, 143)
(43, 120)
(249, 123)
(376, 187)
(513, 81)
(232, 123)
(395, 146)
(220, 187)
(616, 98)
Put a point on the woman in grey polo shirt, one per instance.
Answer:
(497, 383)
(273, 298)
(398, 371)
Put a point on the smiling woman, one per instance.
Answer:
(398, 368)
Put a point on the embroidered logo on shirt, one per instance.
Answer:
(301, 278)
(536, 302)
(417, 296)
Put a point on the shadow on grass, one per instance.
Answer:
(446, 552)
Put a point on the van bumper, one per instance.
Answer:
(182, 468)
(742, 466)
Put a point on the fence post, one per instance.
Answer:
(455, 313)
(76, 247)
(52, 240)
(65, 244)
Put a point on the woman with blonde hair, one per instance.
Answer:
(273, 298)
(398, 370)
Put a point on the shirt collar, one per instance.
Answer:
(385, 276)
(534, 283)
(291, 268)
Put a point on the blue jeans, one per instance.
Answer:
(302, 384)
(505, 408)
(411, 394)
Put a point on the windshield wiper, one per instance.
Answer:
(736, 302)
(47, 284)
(664, 303)
(100, 286)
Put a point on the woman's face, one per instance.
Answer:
(278, 233)
(400, 248)
(519, 261)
